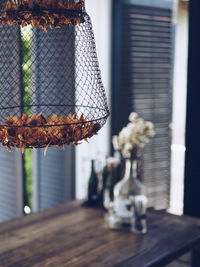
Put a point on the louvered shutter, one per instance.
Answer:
(11, 204)
(53, 176)
(142, 82)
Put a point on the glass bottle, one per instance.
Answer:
(104, 178)
(124, 190)
(105, 174)
(119, 168)
(109, 186)
(93, 185)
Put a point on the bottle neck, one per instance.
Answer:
(130, 169)
(92, 166)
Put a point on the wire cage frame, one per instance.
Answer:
(51, 89)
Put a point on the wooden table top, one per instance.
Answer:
(69, 235)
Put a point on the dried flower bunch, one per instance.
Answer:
(134, 136)
(43, 13)
(41, 132)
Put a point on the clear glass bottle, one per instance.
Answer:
(113, 176)
(124, 190)
(108, 192)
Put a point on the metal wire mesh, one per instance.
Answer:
(51, 90)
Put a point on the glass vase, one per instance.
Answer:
(124, 212)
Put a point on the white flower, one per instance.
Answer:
(128, 147)
(149, 124)
(115, 141)
(135, 135)
(126, 151)
(133, 116)
(126, 154)
(112, 162)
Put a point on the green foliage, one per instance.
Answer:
(27, 93)
(28, 175)
(26, 70)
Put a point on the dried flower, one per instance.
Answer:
(133, 116)
(40, 131)
(42, 13)
(134, 136)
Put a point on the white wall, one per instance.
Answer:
(98, 148)
(179, 111)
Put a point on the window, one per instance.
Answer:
(32, 178)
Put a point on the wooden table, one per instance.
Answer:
(69, 235)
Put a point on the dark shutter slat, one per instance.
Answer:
(151, 39)
(150, 28)
(152, 60)
(146, 22)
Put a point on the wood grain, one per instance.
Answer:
(69, 235)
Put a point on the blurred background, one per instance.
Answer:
(142, 48)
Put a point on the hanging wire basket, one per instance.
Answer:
(50, 83)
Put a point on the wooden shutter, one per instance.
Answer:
(53, 176)
(142, 82)
(11, 188)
